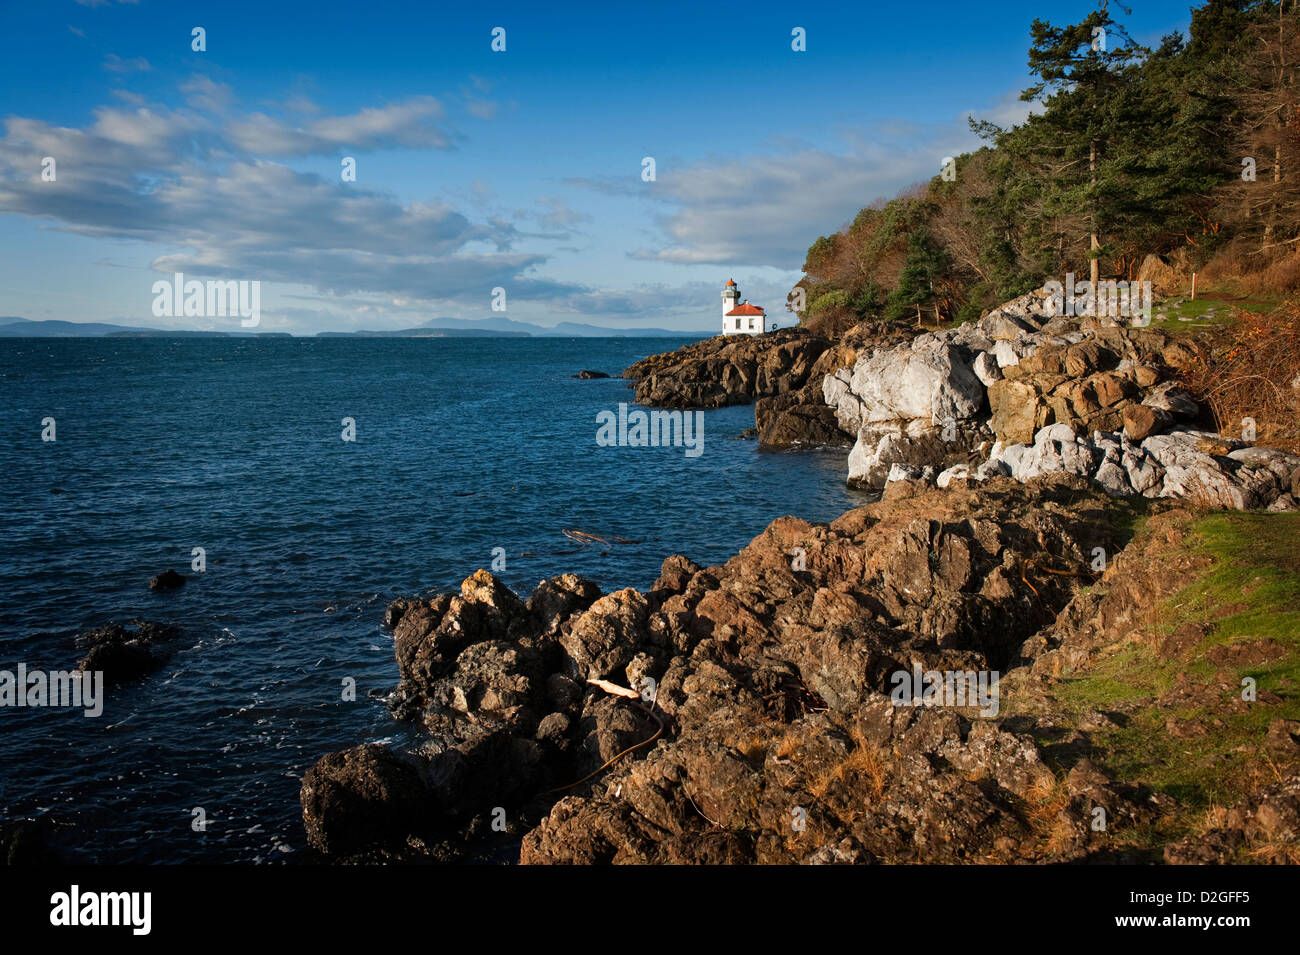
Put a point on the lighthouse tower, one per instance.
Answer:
(730, 296)
(739, 317)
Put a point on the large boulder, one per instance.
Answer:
(929, 380)
(1163, 276)
(557, 599)
(1019, 410)
(364, 798)
(916, 442)
(607, 636)
(1143, 420)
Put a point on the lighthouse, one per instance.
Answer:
(739, 317)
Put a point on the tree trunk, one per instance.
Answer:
(1281, 122)
(1094, 264)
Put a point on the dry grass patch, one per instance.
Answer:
(1248, 372)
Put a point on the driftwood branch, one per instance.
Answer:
(624, 692)
(614, 688)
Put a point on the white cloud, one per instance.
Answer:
(115, 64)
(554, 213)
(1009, 111)
(411, 124)
(176, 178)
(482, 108)
(766, 209)
(298, 103)
(203, 93)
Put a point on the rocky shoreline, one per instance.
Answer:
(1020, 392)
(771, 702)
(750, 713)
(781, 374)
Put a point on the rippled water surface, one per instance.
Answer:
(234, 445)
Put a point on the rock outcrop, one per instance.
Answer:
(1022, 393)
(1265, 823)
(780, 373)
(801, 417)
(1182, 463)
(728, 370)
(765, 699)
(127, 652)
(752, 711)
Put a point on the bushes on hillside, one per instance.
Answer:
(1250, 377)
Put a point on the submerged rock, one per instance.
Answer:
(32, 842)
(167, 580)
(127, 652)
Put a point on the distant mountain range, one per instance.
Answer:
(509, 328)
(15, 327)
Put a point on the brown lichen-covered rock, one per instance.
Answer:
(557, 599)
(363, 798)
(430, 634)
(771, 719)
(1265, 823)
(797, 418)
(727, 370)
(1019, 410)
(604, 639)
(1142, 420)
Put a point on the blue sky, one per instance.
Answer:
(475, 169)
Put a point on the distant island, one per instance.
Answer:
(16, 327)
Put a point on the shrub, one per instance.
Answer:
(1252, 370)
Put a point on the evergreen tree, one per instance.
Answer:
(1080, 68)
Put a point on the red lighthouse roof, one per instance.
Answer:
(731, 283)
(747, 309)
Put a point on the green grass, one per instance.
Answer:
(1250, 592)
(1177, 308)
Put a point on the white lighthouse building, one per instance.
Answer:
(739, 317)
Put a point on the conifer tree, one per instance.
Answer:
(1081, 69)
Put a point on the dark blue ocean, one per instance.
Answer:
(234, 445)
